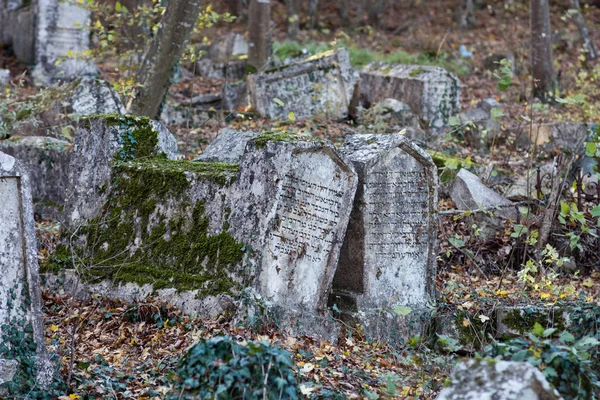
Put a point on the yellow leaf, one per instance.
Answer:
(54, 328)
(588, 282)
(74, 396)
(545, 295)
(501, 292)
(466, 323)
(292, 116)
(70, 53)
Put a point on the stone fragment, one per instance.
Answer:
(499, 380)
(95, 96)
(468, 193)
(568, 136)
(234, 96)
(20, 304)
(388, 260)
(319, 86)
(228, 147)
(4, 77)
(47, 161)
(98, 143)
(431, 92)
(479, 125)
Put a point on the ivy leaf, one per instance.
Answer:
(595, 211)
(548, 332)
(538, 330)
(566, 337)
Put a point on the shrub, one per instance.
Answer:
(223, 368)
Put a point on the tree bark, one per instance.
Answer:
(293, 18)
(542, 63)
(259, 34)
(163, 56)
(376, 8)
(466, 18)
(343, 11)
(583, 31)
(313, 7)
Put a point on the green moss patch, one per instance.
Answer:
(289, 137)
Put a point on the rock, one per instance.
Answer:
(319, 86)
(395, 114)
(17, 24)
(235, 96)
(20, 303)
(558, 135)
(4, 77)
(228, 147)
(431, 92)
(174, 113)
(468, 193)
(388, 260)
(98, 143)
(230, 46)
(95, 96)
(525, 187)
(479, 123)
(47, 161)
(500, 380)
(233, 69)
(225, 58)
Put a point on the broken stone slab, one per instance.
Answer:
(568, 136)
(234, 96)
(388, 257)
(233, 69)
(20, 295)
(47, 161)
(228, 147)
(468, 193)
(500, 380)
(387, 116)
(95, 96)
(479, 124)
(319, 86)
(431, 92)
(99, 142)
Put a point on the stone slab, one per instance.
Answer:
(431, 92)
(319, 86)
(228, 147)
(20, 296)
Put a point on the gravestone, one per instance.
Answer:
(431, 92)
(297, 202)
(319, 86)
(389, 255)
(20, 309)
(228, 146)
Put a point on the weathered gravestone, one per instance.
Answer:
(386, 272)
(319, 86)
(43, 32)
(20, 309)
(431, 92)
(228, 147)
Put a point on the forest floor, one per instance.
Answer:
(111, 349)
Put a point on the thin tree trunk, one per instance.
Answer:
(293, 18)
(163, 56)
(313, 7)
(343, 11)
(542, 62)
(259, 34)
(583, 31)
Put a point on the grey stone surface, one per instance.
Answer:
(431, 92)
(60, 28)
(47, 161)
(17, 22)
(468, 193)
(19, 281)
(226, 57)
(388, 257)
(497, 380)
(232, 69)
(228, 147)
(4, 77)
(479, 124)
(319, 86)
(234, 96)
(559, 135)
(525, 186)
(95, 148)
(95, 96)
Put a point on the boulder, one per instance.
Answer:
(468, 193)
(497, 380)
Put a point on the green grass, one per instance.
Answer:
(360, 57)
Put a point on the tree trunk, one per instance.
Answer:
(259, 34)
(293, 18)
(583, 31)
(313, 7)
(466, 18)
(163, 56)
(544, 76)
(375, 10)
(343, 11)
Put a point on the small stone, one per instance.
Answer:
(468, 193)
(499, 380)
(4, 77)
(431, 92)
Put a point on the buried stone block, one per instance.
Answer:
(431, 92)
(319, 86)
(20, 304)
(386, 272)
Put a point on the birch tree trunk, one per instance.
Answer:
(163, 56)
(542, 64)
(259, 34)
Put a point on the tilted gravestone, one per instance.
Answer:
(431, 92)
(20, 309)
(319, 86)
(388, 261)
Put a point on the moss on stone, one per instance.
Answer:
(444, 161)
(522, 320)
(472, 333)
(289, 137)
(416, 72)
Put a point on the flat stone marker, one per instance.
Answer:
(319, 86)
(431, 92)
(388, 257)
(19, 282)
(298, 196)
